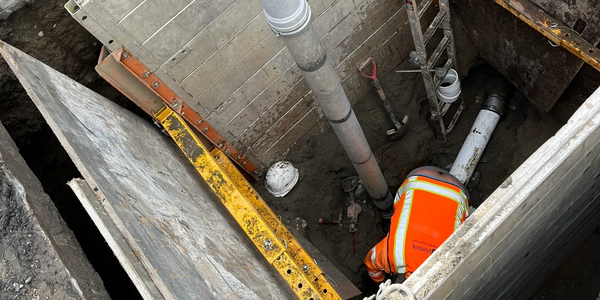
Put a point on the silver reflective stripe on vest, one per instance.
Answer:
(374, 255)
(414, 184)
(408, 190)
(401, 232)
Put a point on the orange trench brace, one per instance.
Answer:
(170, 99)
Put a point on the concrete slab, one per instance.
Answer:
(188, 244)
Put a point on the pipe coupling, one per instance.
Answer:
(493, 103)
(291, 24)
(385, 205)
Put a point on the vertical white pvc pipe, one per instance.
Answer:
(478, 138)
(291, 19)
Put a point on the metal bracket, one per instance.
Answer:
(172, 100)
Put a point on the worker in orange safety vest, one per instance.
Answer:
(429, 206)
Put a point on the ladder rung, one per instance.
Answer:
(438, 80)
(435, 56)
(434, 25)
(424, 7)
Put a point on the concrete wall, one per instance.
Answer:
(222, 58)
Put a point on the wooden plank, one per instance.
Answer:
(255, 130)
(188, 244)
(210, 39)
(225, 58)
(353, 21)
(282, 126)
(183, 27)
(328, 3)
(253, 63)
(257, 88)
(289, 138)
(117, 9)
(150, 16)
(317, 8)
(281, 87)
(538, 209)
(346, 60)
(117, 242)
(332, 16)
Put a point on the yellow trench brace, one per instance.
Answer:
(263, 227)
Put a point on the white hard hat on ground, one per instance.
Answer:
(281, 178)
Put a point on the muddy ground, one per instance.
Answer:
(322, 163)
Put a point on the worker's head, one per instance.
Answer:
(437, 173)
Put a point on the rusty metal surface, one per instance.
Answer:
(114, 73)
(540, 71)
(146, 90)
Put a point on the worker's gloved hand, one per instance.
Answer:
(398, 278)
(385, 225)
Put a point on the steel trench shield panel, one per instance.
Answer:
(187, 242)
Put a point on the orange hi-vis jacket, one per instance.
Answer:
(427, 212)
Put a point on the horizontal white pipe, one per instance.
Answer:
(474, 144)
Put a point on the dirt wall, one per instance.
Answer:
(40, 257)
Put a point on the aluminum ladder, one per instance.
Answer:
(432, 75)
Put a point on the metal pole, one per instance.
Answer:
(291, 19)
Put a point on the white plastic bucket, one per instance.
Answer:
(449, 89)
